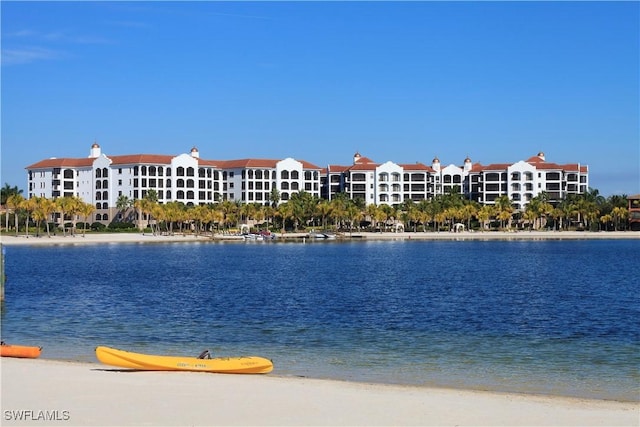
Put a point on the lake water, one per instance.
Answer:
(548, 317)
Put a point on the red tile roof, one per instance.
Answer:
(61, 162)
(132, 159)
(160, 159)
(416, 167)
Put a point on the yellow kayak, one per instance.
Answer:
(150, 362)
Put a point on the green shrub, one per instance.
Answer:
(98, 226)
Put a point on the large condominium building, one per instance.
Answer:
(100, 179)
(391, 183)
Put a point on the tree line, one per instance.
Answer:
(589, 211)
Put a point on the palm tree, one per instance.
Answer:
(229, 210)
(339, 208)
(410, 210)
(65, 205)
(76, 206)
(374, 214)
(604, 221)
(45, 209)
(122, 204)
(618, 215)
(268, 212)
(85, 209)
(285, 212)
(504, 210)
(138, 205)
(354, 213)
(323, 209)
(274, 196)
(5, 193)
(14, 202)
(29, 205)
(200, 214)
(8, 191)
(484, 214)
(468, 211)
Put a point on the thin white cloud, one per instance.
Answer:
(60, 36)
(28, 55)
(129, 24)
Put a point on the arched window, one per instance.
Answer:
(105, 195)
(295, 186)
(105, 205)
(180, 171)
(258, 174)
(169, 194)
(143, 170)
(284, 174)
(447, 179)
(190, 172)
(98, 173)
(190, 195)
(105, 183)
(105, 217)
(105, 172)
(152, 171)
(285, 186)
(98, 217)
(98, 196)
(295, 175)
(190, 183)
(284, 196)
(98, 185)
(180, 194)
(250, 174)
(180, 183)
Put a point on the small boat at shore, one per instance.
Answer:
(22, 351)
(202, 363)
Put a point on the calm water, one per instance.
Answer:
(551, 317)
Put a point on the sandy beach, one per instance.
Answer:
(46, 392)
(150, 238)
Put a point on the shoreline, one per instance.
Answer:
(95, 238)
(79, 393)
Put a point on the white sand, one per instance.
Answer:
(83, 394)
(11, 240)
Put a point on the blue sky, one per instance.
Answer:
(318, 81)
